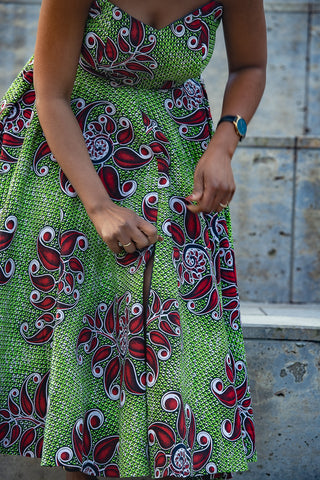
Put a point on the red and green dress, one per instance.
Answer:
(88, 379)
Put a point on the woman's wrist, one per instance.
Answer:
(225, 139)
(98, 205)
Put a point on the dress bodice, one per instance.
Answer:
(127, 51)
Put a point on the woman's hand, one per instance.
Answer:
(121, 227)
(213, 178)
(214, 184)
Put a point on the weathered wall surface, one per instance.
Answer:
(283, 355)
(276, 209)
(285, 382)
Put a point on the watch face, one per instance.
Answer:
(242, 127)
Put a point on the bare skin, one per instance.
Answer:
(59, 38)
(157, 14)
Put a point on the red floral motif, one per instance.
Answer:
(111, 181)
(117, 361)
(197, 266)
(226, 269)
(203, 270)
(95, 9)
(149, 207)
(159, 149)
(189, 95)
(42, 152)
(178, 454)
(96, 133)
(6, 237)
(27, 72)
(138, 258)
(196, 24)
(22, 422)
(13, 125)
(71, 274)
(101, 137)
(120, 62)
(102, 452)
(9, 146)
(128, 159)
(18, 119)
(106, 139)
(193, 126)
(236, 395)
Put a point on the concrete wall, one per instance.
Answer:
(283, 353)
(276, 209)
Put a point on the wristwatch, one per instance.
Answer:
(239, 123)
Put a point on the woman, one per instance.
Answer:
(121, 349)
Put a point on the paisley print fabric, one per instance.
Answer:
(89, 379)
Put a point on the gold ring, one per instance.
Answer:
(126, 245)
(223, 205)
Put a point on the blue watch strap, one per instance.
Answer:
(227, 118)
(239, 123)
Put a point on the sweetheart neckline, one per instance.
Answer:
(166, 26)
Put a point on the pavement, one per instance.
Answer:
(286, 315)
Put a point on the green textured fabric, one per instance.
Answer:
(88, 379)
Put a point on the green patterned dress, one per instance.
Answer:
(88, 379)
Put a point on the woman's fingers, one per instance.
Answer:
(214, 199)
(123, 230)
(213, 183)
(224, 202)
(226, 198)
(149, 231)
(141, 236)
(128, 245)
(197, 192)
(114, 246)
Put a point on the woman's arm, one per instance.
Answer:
(58, 45)
(245, 38)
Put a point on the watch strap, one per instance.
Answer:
(227, 118)
(239, 123)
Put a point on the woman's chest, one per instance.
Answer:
(159, 14)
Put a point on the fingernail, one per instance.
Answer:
(160, 239)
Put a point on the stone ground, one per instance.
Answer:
(281, 317)
(283, 352)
